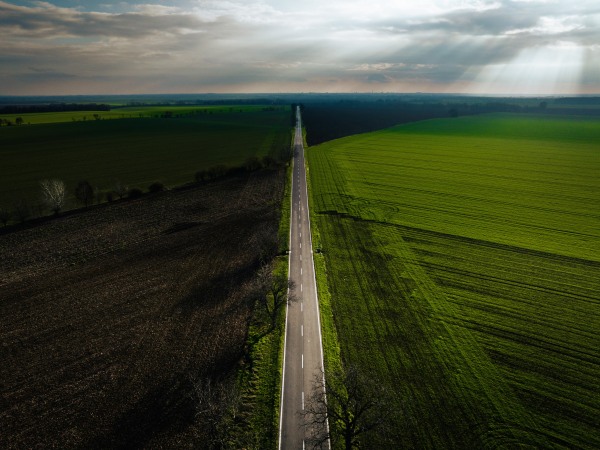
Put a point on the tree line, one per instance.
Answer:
(53, 107)
(54, 193)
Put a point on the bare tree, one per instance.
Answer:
(120, 189)
(53, 194)
(84, 193)
(271, 289)
(343, 408)
(215, 402)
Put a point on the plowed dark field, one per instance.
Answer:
(108, 317)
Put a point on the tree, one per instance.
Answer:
(120, 189)
(217, 171)
(217, 404)
(201, 175)
(84, 192)
(271, 289)
(22, 210)
(269, 162)
(252, 164)
(343, 408)
(19, 121)
(135, 193)
(5, 216)
(155, 187)
(53, 194)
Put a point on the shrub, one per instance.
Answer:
(22, 210)
(155, 187)
(135, 193)
(201, 175)
(217, 171)
(5, 215)
(252, 164)
(84, 192)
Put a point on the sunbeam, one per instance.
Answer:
(552, 69)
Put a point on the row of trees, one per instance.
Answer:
(252, 164)
(54, 195)
(9, 123)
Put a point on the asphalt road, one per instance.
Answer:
(303, 354)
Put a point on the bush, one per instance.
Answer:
(135, 193)
(5, 216)
(252, 164)
(155, 187)
(84, 192)
(201, 176)
(22, 210)
(269, 162)
(110, 196)
(217, 171)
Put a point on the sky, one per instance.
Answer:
(498, 47)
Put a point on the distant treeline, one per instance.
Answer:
(327, 121)
(332, 120)
(578, 101)
(53, 107)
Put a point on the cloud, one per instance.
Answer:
(199, 45)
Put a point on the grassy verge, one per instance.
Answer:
(260, 383)
(331, 348)
(260, 378)
(284, 224)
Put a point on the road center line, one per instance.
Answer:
(303, 360)
(303, 400)
(301, 330)
(300, 287)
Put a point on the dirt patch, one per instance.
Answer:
(109, 317)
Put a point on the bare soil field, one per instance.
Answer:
(110, 317)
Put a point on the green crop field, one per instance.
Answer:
(463, 266)
(127, 112)
(135, 151)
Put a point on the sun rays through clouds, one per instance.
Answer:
(468, 46)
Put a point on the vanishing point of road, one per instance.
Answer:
(303, 353)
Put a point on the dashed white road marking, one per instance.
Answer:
(300, 287)
(301, 307)
(303, 360)
(300, 271)
(301, 330)
(303, 400)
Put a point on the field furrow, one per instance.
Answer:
(463, 260)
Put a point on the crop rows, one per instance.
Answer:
(463, 265)
(109, 317)
(133, 151)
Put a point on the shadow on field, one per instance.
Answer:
(212, 292)
(169, 405)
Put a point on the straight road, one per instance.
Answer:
(303, 353)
